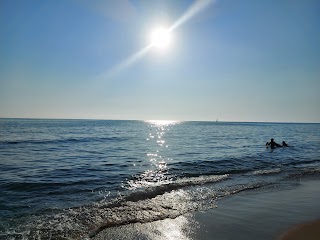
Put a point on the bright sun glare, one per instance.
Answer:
(160, 37)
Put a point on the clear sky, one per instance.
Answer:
(231, 60)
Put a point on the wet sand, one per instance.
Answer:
(270, 213)
(265, 214)
(306, 231)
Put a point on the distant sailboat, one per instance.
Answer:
(217, 120)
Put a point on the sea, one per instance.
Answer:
(71, 179)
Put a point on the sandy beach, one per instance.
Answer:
(275, 212)
(308, 231)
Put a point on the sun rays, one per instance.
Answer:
(160, 37)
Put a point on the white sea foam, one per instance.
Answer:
(87, 221)
(266, 171)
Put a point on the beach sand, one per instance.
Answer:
(307, 231)
(290, 211)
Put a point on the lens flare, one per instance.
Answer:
(160, 37)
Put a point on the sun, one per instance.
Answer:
(160, 37)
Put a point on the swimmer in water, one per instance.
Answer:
(273, 144)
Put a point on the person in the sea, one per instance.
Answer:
(284, 144)
(273, 144)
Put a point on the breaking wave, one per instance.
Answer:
(151, 204)
(267, 171)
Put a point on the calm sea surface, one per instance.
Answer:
(73, 178)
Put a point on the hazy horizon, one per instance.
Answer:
(155, 120)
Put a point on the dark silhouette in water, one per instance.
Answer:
(273, 144)
(284, 144)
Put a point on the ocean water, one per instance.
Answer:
(70, 179)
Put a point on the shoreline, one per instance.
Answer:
(263, 214)
(268, 213)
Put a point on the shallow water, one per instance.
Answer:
(73, 178)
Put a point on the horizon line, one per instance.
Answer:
(145, 120)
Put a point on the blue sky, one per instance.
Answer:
(233, 60)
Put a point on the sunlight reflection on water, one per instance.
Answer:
(170, 229)
(157, 174)
(159, 123)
